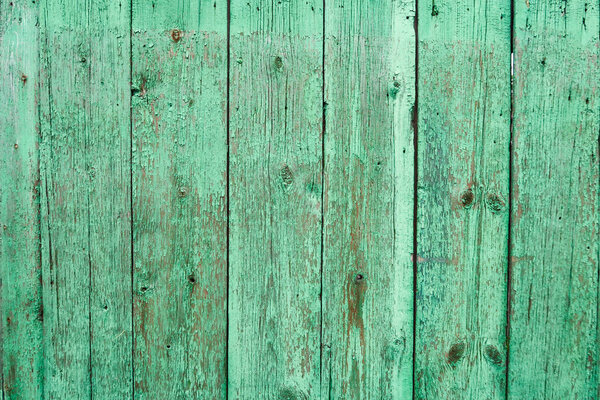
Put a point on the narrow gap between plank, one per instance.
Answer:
(510, 201)
(321, 297)
(39, 206)
(88, 118)
(131, 198)
(227, 230)
(415, 126)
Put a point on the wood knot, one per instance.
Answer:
(23, 79)
(176, 35)
(495, 203)
(286, 175)
(183, 191)
(192, 279)
(434, 11)
(359, 278)
(456, 353)
(278, 62)
(394, 349)
(492, 354)
(466, 198)
(291, 393)
(394, 89)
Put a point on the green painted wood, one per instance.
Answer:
(206, 203)
(463, 192)
(275, 199)
(555, 220)
(368, 220)
(85, 174)
(179, 61)
(21, 312)
(109, 202)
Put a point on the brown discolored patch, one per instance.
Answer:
(291, 393)
(456, 353)
(355, 293)
(286, 175)
(467, 198)
(278, 62)
(494, 203)
(492, 354)
(176, 35)
(40, 313)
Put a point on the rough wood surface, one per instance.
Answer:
(463, 187)
(275, 199)
(554, 349)
(368, 227)
(21, 312)
(85, 173)
(179, 102)
(216, 199)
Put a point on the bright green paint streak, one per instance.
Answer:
(20, 287)
(554, 348)
(369, 172)
(275, 199)
(179, 198)
(463, 178)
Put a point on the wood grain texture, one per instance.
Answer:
(275, 199)
(179, 198)
(21, 312)
(463, 187)
(85, 173)
(369, 175)
(555, 220)
(109, 167)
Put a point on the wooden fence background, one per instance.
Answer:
(299, 199)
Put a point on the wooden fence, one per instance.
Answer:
(299, 199)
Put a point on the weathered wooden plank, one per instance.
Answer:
(21, 311)
(368, 199)
(555, 247)
(462, 233)
(109, 166)
(179, 191)
(85, 173)
(275, 198)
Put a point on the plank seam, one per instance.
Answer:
(510, 203)
(89, 222)
(227, 262)
(415, 127)
(323, 127)
(131, 197)
(38, 89)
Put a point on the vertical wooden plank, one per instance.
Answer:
(555, 247)
(369, 192)
(462, 233)
(180, 215)
(275, 198)
(21, 311)
(65, 190)
(109, 169)
(85, 171)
